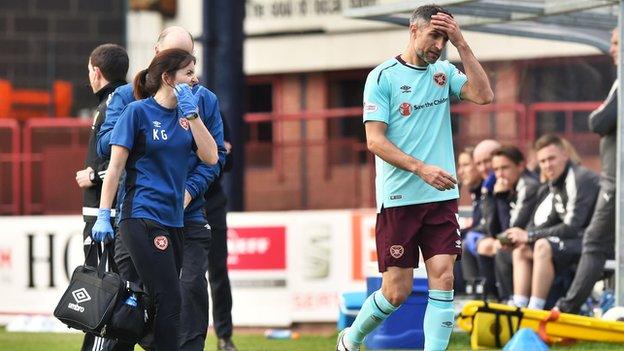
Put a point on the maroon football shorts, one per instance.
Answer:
(400, 231)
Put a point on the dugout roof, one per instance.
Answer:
(581, 21)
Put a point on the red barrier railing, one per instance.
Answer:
(568, 108)
(38, 160)
(506, 122)
(585, 142)
(9, 167)
(54, 149)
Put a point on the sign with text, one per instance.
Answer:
(257, 248)
(266, 16)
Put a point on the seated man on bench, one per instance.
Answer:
(552, 240)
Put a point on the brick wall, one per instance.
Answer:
(44, 40)
(325, 185)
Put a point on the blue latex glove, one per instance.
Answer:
(472, 239)
(489, 182)
(187, 103)
(102, 229)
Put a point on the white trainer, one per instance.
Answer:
(341, 343)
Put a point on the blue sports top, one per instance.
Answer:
(158, 140)
(415, 104)
(200, 175)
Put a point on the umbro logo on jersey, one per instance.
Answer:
(406, 89)
(157, 124)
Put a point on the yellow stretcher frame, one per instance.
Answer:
(479, 319)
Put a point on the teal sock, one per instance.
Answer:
(439, 320)
(374, 311)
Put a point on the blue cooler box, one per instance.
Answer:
(350, 305)
(404, 328)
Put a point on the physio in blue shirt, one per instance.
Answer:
(197, 233)
(152, 140)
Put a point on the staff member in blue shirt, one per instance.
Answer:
(152, 140)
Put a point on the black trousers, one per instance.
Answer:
(90, 341)
(481, 268)
(220, 289)
(156, 254)
(598, 246)
(503, 263)
(194, 287)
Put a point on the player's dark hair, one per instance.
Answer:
(112, 60)
(511, 152)
(148, 81)
(426, 11)
(547, 140)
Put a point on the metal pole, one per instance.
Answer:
(223, 54)
(619, 195)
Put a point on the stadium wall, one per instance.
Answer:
(284, 267)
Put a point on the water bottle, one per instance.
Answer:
(280, 334)
(607, 301)
(132, 301)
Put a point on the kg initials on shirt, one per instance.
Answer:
(158, 136)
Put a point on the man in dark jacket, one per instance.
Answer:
(599, 239)
(552, 239)
(512, 202)
(476, 268)
(108, 65)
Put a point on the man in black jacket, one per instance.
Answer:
(108, 65)
(513, 200)
(553, 236)
(599, 239)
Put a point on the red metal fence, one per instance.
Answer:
(39, 158)
(9, 167)
(54, 149)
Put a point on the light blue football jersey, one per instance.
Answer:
(415, 104)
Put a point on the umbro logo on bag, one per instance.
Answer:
(80, 295)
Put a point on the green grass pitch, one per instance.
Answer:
(244, 341)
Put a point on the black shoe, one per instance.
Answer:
(226, 345)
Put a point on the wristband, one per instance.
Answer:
(192, 116)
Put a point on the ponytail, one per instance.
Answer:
(140, 85)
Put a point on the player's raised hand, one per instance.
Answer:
(448, 25)
(436, 177)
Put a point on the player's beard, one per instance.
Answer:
(423, 56)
